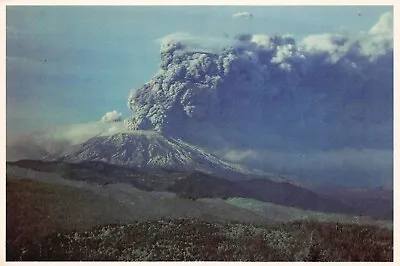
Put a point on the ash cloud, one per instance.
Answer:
(324, 91)
(367, 167)
(274, 98)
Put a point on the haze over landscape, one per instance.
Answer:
(254, 115)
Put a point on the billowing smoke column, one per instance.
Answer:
(327, 90)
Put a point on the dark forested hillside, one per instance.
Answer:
(195, 240)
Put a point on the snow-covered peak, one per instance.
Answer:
(149, 149)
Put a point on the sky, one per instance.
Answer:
(70, 71)
(69, 65)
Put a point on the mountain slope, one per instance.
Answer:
(195, 185)
(39, 204)
(148, 149)
(283, 193)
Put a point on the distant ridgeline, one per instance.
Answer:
(195, 185)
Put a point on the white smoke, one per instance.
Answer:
(245, 15)
(113, 116)
(335, 46)
(183, 42)
(378, 42)
(384, 27)
(38, 144)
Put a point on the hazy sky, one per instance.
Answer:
(73, 64)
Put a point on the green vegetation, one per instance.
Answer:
(196, 240)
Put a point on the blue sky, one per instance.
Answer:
(73, 64)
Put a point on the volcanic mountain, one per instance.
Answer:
(151, 150)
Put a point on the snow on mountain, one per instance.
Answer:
(149, 149)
